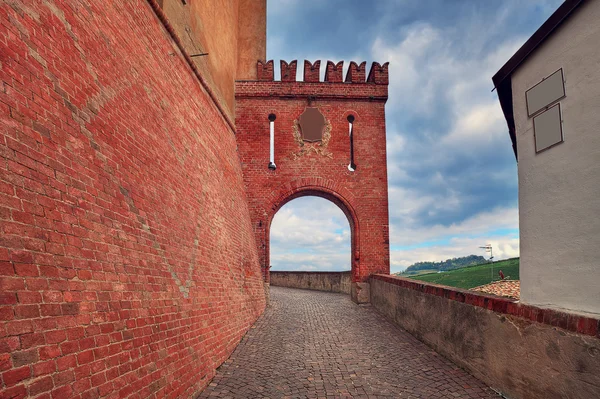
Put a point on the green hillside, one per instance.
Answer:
(448, 264)
(473, 276)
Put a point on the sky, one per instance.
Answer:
(452, 174)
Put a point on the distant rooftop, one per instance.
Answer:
(507, 288)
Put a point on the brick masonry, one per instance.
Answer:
(127, 260)
(361, 194)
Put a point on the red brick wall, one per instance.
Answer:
(127, 265)
(362, 194)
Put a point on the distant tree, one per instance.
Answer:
(448, 264)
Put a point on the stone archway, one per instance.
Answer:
(281, 162)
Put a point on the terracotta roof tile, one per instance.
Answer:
(509, 288)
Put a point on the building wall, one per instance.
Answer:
(520, 350)
(319, 281)
(559, 188)
(361, 194)
(127, 260)
(232, 32)
(252, 37)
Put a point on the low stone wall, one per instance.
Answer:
(320, 281)
(520, 350)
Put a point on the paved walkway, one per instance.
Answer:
(312, 344)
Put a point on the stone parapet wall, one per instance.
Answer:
(520, 350)
(320, 281)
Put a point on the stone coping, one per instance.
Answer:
(308, 272)
(568, 321)
(317, 90)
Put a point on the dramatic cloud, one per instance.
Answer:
(452, 173)
(310, 234)
(504, 247)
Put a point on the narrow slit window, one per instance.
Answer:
(351, 165)
(272, 165)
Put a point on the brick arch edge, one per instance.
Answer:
(323, 188)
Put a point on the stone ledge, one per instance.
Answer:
(307, 272)
(309, 280)
(314, 90)
(567, 321)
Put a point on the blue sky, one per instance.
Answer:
(452, 174)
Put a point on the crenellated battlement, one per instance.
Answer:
(311, 71)
(356, 73)
(265, 71)
(334, 72)
(288, 71)
(378, 74)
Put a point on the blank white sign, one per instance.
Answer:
(545, 93)
(547, 128)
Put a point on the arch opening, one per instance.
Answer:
(310, 234)
(333, 197)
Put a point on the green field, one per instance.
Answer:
(417, 273)
(473, 276)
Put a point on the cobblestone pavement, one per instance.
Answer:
(311, 344)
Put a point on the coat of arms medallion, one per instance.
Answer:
(312, 132)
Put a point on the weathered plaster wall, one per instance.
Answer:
(320, 281)
(127, 259)
(523, 359)
(559, 188)
(252, 37)
(232, 32)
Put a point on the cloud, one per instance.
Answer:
(451, 171)
(310, 233)
(449, 139)
(503, 246)
(282, 7)
(469, 126)
(406, 230)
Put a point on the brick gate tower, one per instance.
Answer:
(325, 139)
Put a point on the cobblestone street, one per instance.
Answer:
(311, 344)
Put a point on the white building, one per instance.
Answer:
(550, 95)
